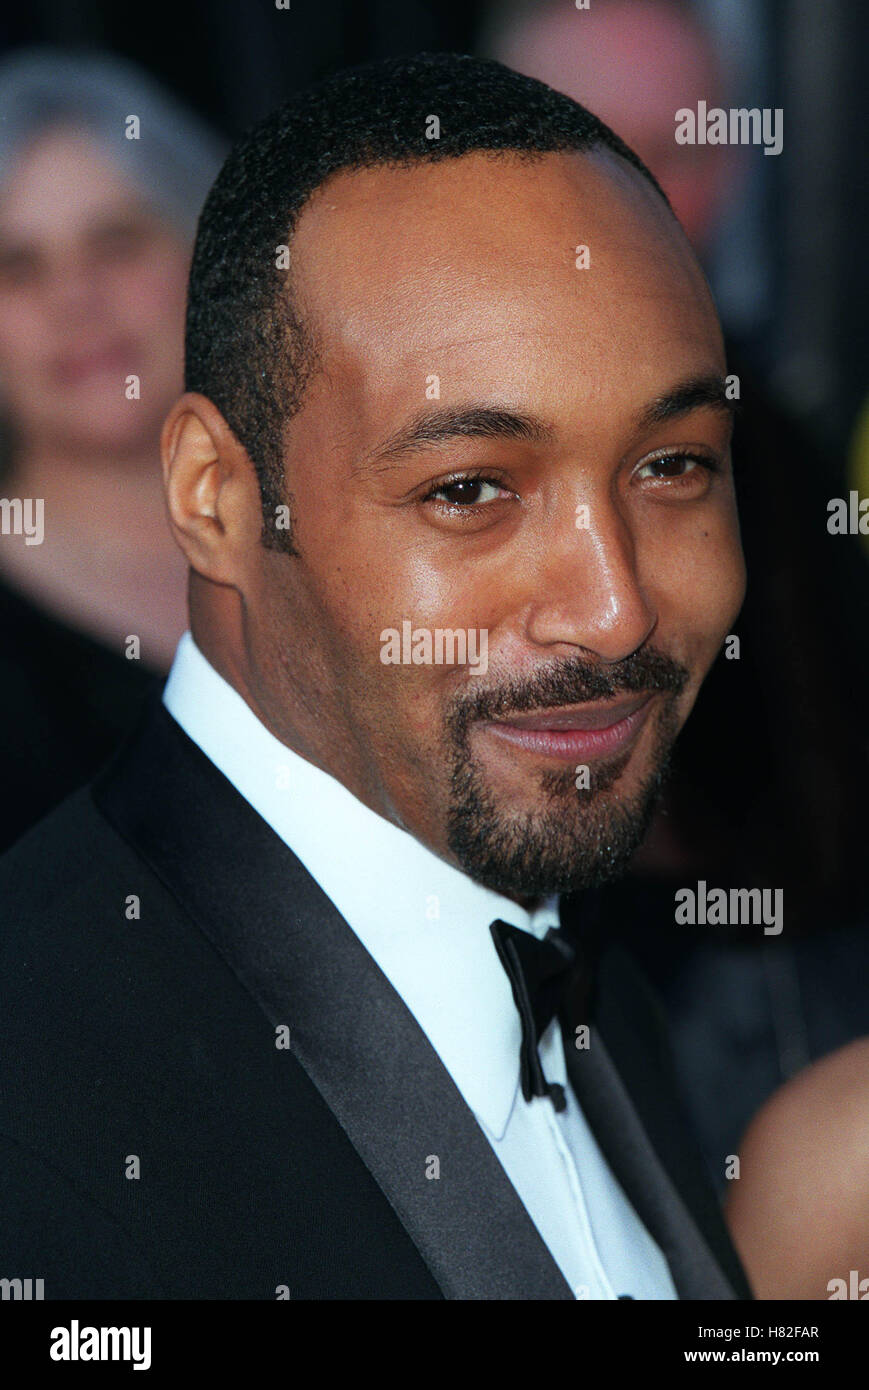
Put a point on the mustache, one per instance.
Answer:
(574, 681)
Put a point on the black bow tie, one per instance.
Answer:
(542, 974)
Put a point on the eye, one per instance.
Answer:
(466, 492)
(676, 467)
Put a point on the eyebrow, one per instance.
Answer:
(435, 427)
(472, 422)
(696, 393)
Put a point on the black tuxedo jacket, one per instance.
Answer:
(156, 1142)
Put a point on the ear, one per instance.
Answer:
(212, 490)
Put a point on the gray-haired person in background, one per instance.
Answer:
(102, 177)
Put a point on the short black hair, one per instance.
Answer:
(248, 348)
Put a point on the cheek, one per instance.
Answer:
(369, 577)
(700, 588)
(385, 596)
(355, 612)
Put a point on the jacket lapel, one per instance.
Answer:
(626, 1084)
(349, 1029)
(623, 1140)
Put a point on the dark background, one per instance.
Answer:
(233, 60)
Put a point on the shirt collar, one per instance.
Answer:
(425, 923)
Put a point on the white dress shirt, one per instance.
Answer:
(426, 925)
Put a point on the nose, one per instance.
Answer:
(587, 591)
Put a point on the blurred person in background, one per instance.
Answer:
(799, 1214)
(769, 778)
(636, 61)
(101, 180)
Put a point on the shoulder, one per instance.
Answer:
(89, 940)
(64, 864)
(798, 1210)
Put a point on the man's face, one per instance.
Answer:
(571, 499)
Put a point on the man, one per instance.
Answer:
(295, 1008)
(803, 825)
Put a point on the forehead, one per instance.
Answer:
(467, 269)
